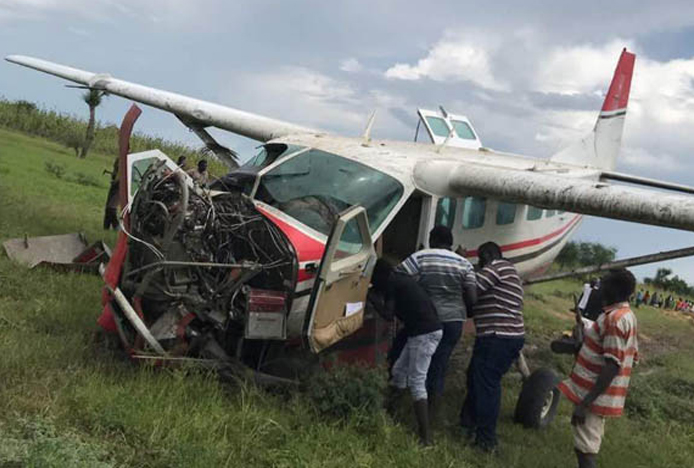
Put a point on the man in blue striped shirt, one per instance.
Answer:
(450, 282)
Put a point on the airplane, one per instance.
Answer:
(325, 207)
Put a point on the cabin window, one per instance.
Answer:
(534, 213)
(438, 126)
(560, 212)
(463, 130)
(315, 186)
(505, 213)
(550, 213)
(473, 212)
(445, 212)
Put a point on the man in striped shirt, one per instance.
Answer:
(600, 378)
(500, 337)
(449, 280)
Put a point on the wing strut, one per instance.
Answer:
(625, 263)
(223, 153)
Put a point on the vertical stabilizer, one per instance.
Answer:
(601, 147)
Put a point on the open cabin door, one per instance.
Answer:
(337, 304)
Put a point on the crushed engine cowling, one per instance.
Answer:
(206, 272)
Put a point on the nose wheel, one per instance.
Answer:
(539, 399)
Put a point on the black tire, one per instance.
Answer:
(539, 399)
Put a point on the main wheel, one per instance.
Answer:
(539, 399)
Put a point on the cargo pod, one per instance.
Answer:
(336, 308)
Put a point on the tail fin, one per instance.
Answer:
(601, 147)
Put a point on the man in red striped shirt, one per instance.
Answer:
(600, 377)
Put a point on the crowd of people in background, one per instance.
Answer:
(666, 303)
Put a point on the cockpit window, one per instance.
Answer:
(269, 154)
(259, 160)
(438, 126)
(463, 130)
(315, 186)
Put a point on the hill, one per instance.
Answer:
(68, 401)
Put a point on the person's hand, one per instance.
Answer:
(462, 251)
(579, 416)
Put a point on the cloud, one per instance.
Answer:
(302, 95)
(351, 65)
(644, 159)
(579, 68)
(172, 12)
(450, 59)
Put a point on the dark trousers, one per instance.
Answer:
(492, 357)
(439, 361)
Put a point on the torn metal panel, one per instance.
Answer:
(32, 251)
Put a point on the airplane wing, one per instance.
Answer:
(565, 187)
(191, 111)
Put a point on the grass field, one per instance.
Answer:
(67, 401)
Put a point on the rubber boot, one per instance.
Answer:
(434, 409)
(586, 460)
(421, 411)
(393, 399)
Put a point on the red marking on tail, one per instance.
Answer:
(618, 95)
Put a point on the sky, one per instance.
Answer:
(530, 75)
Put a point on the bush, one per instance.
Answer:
(69, 130)
(58, 170)
(344, 391)
(665, 398)
(74, 141)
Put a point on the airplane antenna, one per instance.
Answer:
(443, 111)
(367, 132)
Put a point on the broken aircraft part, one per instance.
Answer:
(65, 251)
(204, 272)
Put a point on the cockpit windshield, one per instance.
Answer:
(315, 186)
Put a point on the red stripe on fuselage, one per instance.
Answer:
(532, 242)
(308, 249)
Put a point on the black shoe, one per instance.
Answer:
(486, 447)
(468, 434)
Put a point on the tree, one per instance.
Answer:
(93, 99)
(674, 284)
(576, 254)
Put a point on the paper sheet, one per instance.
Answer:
(352, 308)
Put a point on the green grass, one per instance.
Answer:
(66, 400)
